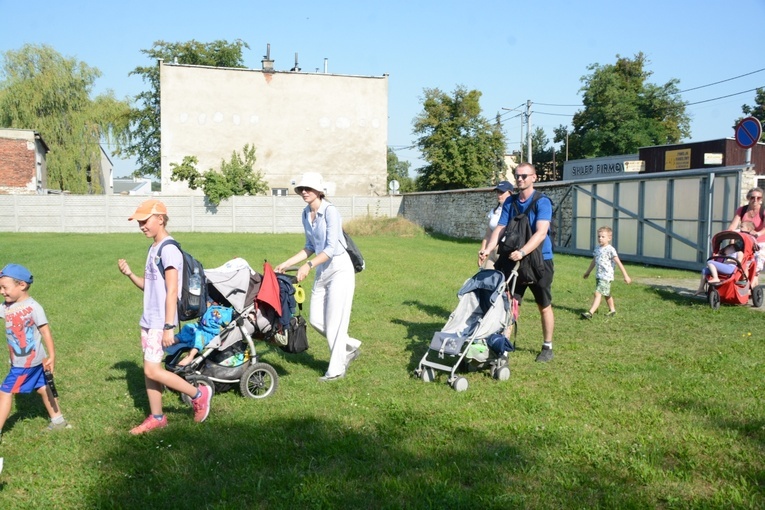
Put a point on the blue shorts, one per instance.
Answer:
(24, 380)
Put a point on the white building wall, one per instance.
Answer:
(299, 122)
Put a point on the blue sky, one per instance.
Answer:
(511, 51)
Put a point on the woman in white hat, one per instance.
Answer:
(335, 280)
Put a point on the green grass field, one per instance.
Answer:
(659, 407)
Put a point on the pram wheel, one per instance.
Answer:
(460, 384)
(502, 373)
(714, 298)
(197, 381)
(757, 297)
(427, 374)
(259, 381)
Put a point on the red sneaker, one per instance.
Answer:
(201, 404)
(149, 424)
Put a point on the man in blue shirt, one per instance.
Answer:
(540, 218)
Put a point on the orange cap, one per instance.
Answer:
(148, 208)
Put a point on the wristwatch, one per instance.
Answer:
(523, 253)
(310, 264)
(169, 326)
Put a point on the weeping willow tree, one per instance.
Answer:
(44, 91)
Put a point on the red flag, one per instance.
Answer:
(269, 289)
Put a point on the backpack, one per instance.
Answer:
(353, 251)
(517, 233)
(190, 306)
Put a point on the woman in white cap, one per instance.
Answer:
(335, 280)
(504, 189)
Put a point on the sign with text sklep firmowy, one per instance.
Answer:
(593, 168)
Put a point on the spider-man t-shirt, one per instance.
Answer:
(22, 320)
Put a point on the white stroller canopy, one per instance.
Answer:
(232, 280)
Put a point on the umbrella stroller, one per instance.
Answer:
(473, 337)
(230, 357)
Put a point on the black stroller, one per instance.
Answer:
(230, 358)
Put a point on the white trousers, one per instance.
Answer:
(330, 314)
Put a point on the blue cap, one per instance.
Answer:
(504, 186)
(17, 272)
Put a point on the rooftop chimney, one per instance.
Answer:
(268, 64)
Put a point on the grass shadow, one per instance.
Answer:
(324, 464)
(27, 405)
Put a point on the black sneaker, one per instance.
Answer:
(545, 355)
(611, 313)
(586, 315)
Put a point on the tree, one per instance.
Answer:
(757, 111)
(49, 93)
(236, 177)
(144, 141)
(462, 148)
(622, 112)
(399, 170)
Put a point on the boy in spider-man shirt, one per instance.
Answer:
(30, 344)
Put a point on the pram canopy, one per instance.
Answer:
(482, 308)
(236, 281)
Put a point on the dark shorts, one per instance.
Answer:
(541, 290)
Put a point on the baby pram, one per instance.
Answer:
(735, 288)
(230, 358)
(473, 337)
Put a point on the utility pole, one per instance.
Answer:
(566, 144)
(528, 128)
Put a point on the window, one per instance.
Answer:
(279, 192)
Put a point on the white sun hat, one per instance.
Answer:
(311, 180)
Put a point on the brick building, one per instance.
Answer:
(23, 169)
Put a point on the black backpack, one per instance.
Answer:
(517, 233)
(353, 251)
(190, 306)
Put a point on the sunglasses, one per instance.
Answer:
(522, 176)
(755, 198)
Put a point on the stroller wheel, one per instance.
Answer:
(197, 381)
(259, 381)
(502, 373)
(757, 297)
(427, 374)
(714, 298)
(460, 384)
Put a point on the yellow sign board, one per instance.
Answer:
(677, 160)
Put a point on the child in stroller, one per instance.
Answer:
(196, 335)
(252, 303)
(731, 273)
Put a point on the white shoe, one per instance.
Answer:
(351, 356)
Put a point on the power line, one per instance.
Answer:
(558, 114)
(723, 81)
(562, 105)
(722, 97)
(679, 92)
